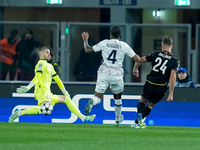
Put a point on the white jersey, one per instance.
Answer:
(113, 52)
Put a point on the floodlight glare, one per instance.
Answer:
(182, 2)
(156, 13)
(54, 1)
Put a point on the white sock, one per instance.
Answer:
(19, 113)
(118, 108)
(96, 100)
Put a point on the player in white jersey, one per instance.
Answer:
(110, 73)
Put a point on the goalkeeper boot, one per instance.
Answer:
(120, 120)
(89, 119)
(13, 116)
(88, 107)
(135, 125)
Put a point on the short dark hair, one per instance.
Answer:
(116, 32)
(43, 48)
(167, 41)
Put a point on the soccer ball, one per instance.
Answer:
(46, 108)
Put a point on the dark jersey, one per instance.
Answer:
(162, 64)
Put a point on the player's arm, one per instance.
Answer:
(60, 85)
(87, 47)
(172, 81)
(35, 80)
(57, 68)
(24, 89)
(137, 64)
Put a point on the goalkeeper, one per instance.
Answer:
(44, 72)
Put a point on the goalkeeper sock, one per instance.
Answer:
(30, 111)
(54, 100)
(72, 107)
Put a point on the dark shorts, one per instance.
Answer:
(153, 93)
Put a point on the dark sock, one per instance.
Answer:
(146, 112)
(140, 109)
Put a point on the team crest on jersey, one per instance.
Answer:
(40, 65)
(48, 97)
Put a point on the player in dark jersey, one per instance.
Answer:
(164, 68)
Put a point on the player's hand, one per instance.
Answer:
(170, 98)
(22, 89)
(136, 73)
(85, 35)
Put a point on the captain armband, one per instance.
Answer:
(54, 75)
(39, 70)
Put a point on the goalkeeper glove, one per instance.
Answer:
(22, 89)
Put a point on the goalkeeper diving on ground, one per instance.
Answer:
(44, 72)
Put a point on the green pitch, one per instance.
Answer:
(40, 136)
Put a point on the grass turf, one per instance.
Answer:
(43, 136)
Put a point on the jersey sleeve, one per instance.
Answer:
(53, 71)
(175, 66)
(56, 68)
(39, 68)
(57, 78)
(130, 51)
(98, 46)
(150, 57)
(58, 81)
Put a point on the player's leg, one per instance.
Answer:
(117, 87)
(146, 94)
(41, 97)
(101, 86)
(155, 98)
(96, 99)
(139, 122)
(148, 109)
(141, 107)
(30, 111)
(73, 108)
(141, 116)
(118, 109)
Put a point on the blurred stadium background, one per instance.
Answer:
(58, 24)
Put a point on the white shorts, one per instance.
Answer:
(103, 81)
